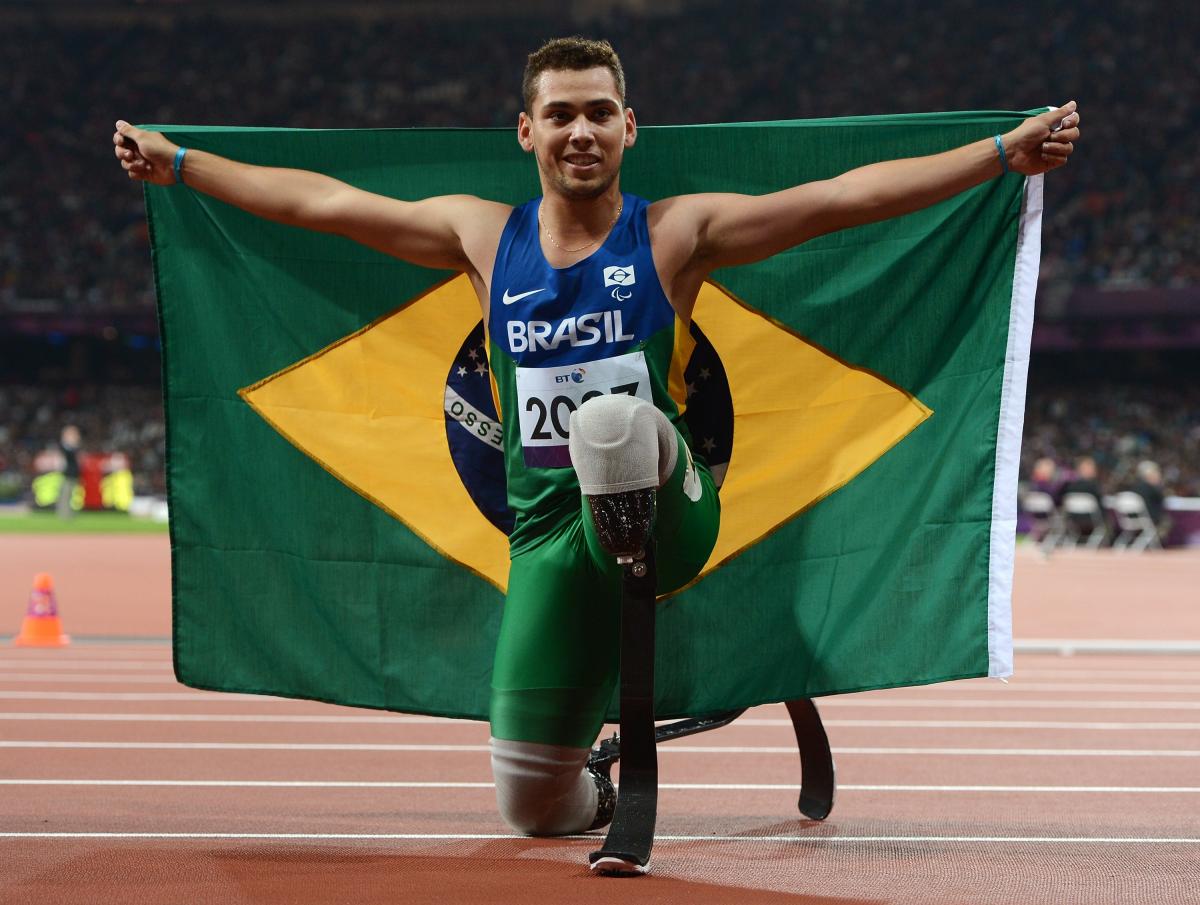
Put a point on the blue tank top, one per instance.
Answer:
(558, 336)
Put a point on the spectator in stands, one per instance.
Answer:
(1118, 424)
(115, 419)
(1149, 487)
(1044, 478)
(68, 445)
(77, 242)
(1085, 481)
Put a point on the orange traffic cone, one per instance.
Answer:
(42, 627)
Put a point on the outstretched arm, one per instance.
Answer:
(739, 229)
(428, 232)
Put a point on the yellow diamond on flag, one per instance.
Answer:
(804, 422)
(370, 409)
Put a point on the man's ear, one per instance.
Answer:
(630, 127)
(525, 132)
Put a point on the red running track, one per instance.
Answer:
(1078, 782)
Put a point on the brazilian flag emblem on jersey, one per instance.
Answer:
(339, 519)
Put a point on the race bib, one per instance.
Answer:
(547, 396)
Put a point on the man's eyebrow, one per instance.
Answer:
(598, 102)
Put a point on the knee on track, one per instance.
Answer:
(543, 790)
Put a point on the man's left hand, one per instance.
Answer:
(1043, 142)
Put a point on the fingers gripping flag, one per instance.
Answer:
(339, 517)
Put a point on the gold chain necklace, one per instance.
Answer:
(550, 235)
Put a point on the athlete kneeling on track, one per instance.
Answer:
(587, 294)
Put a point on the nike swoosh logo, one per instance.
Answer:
(509, 299)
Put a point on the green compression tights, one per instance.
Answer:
(558, 650)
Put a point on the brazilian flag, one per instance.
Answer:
(337, 495)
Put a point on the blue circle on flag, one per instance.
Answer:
(474, 431)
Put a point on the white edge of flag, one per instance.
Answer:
(1008, 434)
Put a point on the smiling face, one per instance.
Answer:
(578, 130)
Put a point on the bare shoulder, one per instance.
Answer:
(468, 211)
(684, 219)
(675, 223)
(679, 211)
(677, 228)
(478, 223)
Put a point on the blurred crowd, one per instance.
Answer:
(109, 419)
(1116, 427)
(1125, 213)
(1103, 433)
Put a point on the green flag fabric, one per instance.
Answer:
(337, 504)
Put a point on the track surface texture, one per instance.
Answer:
(1078, 782)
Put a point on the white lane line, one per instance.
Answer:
(257, 784)
(988, 686)
(661, 837)
(983, 724)
(1070, 669)
(992, 686)
(90, 678)
(212, 697)
(20, 716)
(83, 646)
(976, 704)
(665, 749)
(209, 696)
(398, 719)
(244, 746)
(1068, 646)
(677, 786)
(1047, 790)
(1073, 668)
(1109, 673)
(84, 664)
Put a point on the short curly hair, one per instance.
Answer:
(574, 53)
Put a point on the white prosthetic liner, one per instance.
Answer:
(543, 790)
(621, 443)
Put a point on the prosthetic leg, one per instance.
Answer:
(623, 449)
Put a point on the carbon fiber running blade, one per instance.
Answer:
(608, 752)
(818, 783)
(631, 837)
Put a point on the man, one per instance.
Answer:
(68, 444)
(1149, 486)
(1086, 481)
(587, 286)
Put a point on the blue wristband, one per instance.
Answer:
(999, 147)
(178, 165)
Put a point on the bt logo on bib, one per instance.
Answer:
(619, 277)
(575, 376)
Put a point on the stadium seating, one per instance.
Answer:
(1083, 520)
(1137, 531)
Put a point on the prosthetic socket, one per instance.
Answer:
(623, 450)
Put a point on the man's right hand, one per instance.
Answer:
(147, 156)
